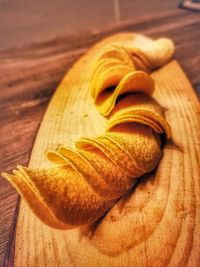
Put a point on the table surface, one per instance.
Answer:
(29, 76)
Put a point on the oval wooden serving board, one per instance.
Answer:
(157, 224)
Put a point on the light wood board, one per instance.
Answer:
(158, 223)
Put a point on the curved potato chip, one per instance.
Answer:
(95, 142)
(34, 200)
(56, 157)
(141, 107)
(103, 63)
(56, 188)
(127, 153)
(110, 77)
(134, 52)
(134, 118)
(118, 52)
(113, 174)
(121, 157)
(98, 184)
(107, 79)
(99, 67)
(156, 118)
(141, 143)
(137, 81)
(139, 64)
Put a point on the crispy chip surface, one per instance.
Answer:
(142, 108)
(136, 81)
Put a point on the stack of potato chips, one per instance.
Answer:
(87, 180)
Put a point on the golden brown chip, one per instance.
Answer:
(139, 107)
(109, 78)
(127, 156)
(31, 195)
(101, 66)
(56, 157)
(141, 143)
(139, 64)
(94, 178)
(56, 188)
(120, 157)
(113, 59)
(135, 53)
(137, 81)
(115, 175)
(134, 118)
(118, 52)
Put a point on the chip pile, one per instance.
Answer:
(87, 180)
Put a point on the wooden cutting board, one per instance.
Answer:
(158, 223)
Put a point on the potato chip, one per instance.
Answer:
(114, 174)
(110, 77)
(140, 141)
(121, 158)
(118, 52)
(139, 107)
(137, 81)
(139, 64)
(98, 184)
(134, 118)
(57, 189)
(106, 150)
(98, 68)
(136, 53)
(31, 195)
(126, 153)
(56, 157)
(112, 54)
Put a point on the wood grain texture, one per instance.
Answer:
(157, 224)
(29, 76)
(22, 22)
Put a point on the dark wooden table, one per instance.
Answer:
(29, 76)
